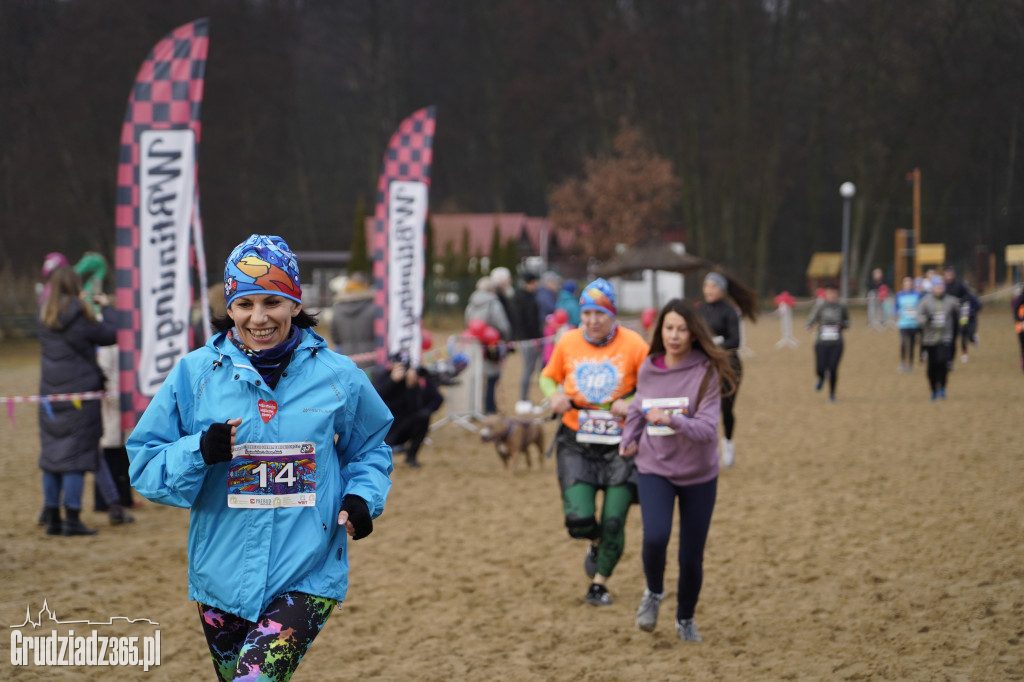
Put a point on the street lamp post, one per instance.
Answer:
(846, 190)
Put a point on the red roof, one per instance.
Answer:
(449, 228)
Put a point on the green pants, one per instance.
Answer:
(580, 504)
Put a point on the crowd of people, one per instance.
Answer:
(934, 313)
(522, 318)
(639, 423)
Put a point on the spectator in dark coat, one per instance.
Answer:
(530, 330)
(68, 335)
(412, 396)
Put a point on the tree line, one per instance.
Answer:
(757, 110)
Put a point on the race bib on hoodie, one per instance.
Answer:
(674, 406)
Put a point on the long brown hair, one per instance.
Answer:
(745, 298)
(65, 287)
(700, 337)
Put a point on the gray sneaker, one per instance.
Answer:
(647, 612)
(688, 631)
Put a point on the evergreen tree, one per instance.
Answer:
(450, 262)
(360, 259)
(496, 256)
(467, 266)
(428, 257)
(510, 254)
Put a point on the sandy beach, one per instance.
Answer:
(880, 537)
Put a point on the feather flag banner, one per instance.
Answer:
(156, 199)
(399, 237)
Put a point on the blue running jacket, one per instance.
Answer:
(240, 559)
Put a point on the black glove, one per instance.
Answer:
(358, 514)
(215, 445)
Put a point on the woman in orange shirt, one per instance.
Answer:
(588, 380)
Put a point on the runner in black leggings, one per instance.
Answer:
(937, 316)
(906, 319)
(724, 321)
(831, 317)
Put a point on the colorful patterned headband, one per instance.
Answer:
(598, 295)
(262, 264)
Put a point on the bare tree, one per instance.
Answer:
(622, 198)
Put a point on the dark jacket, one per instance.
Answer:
(70, 435)
(547, 303)
(418, 402)
(958, 289)
(508, 304)
(528, 315)
(724, 321)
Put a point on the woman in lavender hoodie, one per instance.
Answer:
(672, 429)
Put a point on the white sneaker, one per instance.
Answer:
(687, 631)
(647, 612)
(728, 452)
(963, 357)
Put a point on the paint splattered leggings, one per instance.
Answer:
(268, 650)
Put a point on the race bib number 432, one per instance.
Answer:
(599, 426)
(269, 475)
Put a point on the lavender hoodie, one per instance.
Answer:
(690, 455)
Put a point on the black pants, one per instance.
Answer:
(939, 356)
(728, 401)
(827, 357)
(490, 402)
(908, 339)
(967, 333)
(117, 460)
(411, 430)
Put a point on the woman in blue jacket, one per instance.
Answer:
(275, 444)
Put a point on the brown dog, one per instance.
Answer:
(512, 436)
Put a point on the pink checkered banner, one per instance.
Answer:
(157, 197)
(399, 242)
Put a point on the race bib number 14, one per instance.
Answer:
(269, 475)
